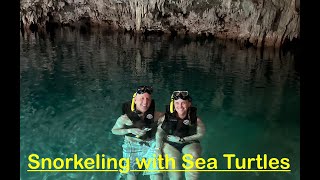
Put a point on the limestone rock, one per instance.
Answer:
(257, 22)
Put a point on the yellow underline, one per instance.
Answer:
(165, 170)
(205, 170)
(70, 170)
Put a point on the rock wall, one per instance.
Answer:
(256, 22)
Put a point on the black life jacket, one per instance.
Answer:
(180, 127)
(141, 122)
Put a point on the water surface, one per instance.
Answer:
(72, 86)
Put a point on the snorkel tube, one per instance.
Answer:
(132, 102)
(171, 104)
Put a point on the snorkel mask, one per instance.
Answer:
(140, 90)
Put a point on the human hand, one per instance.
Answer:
(138, 132)
(145, 130)
(173, 138)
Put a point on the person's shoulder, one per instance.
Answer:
(199, 119)
(123, 117)
(159, 117)
(158, 114)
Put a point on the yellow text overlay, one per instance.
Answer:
(159, 163)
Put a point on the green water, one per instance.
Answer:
(72, 86)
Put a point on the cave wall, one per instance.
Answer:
(259, 22)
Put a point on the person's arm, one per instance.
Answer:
(158, 117)
(200, 132)
(119, 127)
(160, 134)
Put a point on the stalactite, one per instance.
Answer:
(261, 22)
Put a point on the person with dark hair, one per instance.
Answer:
(139, 124)
(179, 132)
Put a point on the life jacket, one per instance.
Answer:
(180, 127)
(141, 122)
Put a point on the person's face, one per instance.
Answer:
(143, 102)
(181, 106)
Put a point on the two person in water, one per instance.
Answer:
(147, 132)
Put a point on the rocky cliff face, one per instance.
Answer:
(257, 22)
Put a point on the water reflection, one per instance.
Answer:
(72, 87)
